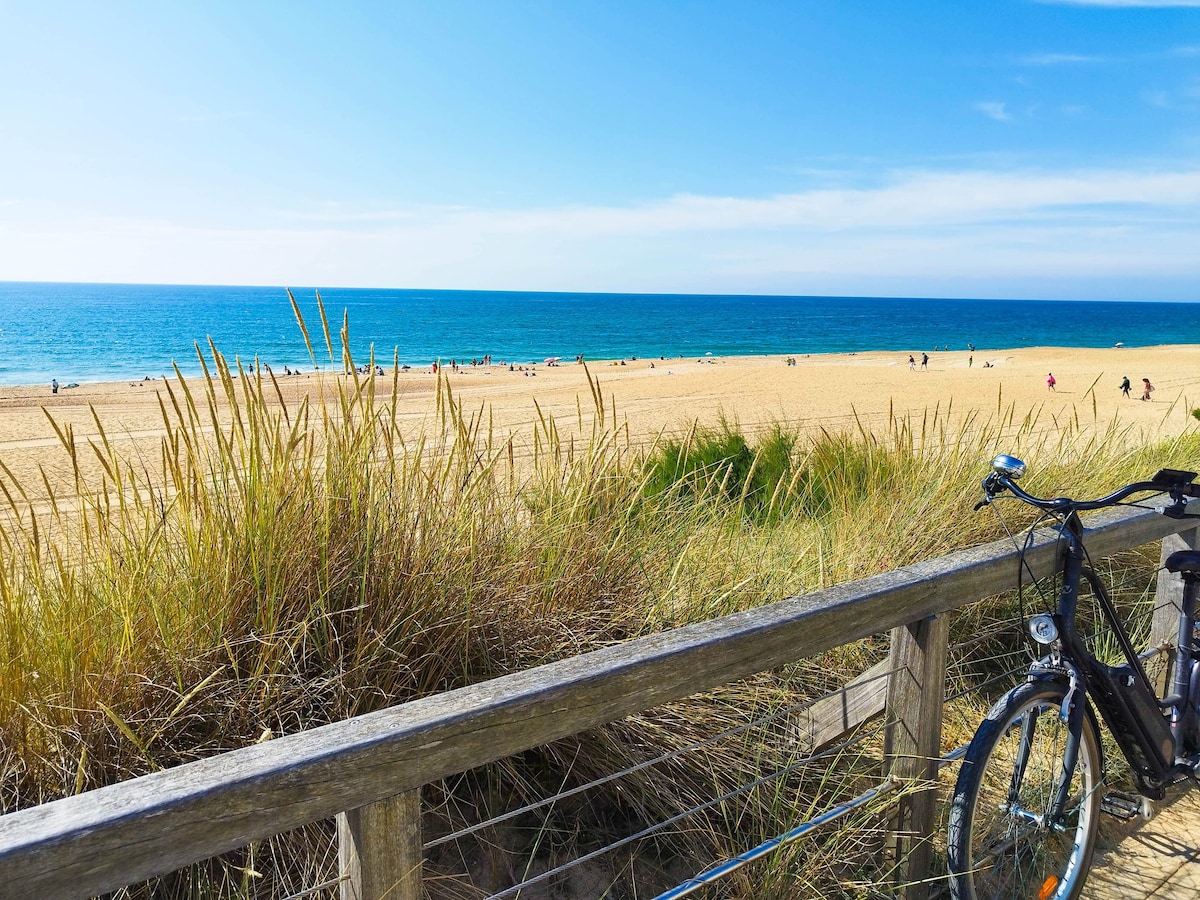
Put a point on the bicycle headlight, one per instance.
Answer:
(1043, 630)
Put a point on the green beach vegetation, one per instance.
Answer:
(276, 567)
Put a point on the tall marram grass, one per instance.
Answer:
(272, 566)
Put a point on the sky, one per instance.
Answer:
(945, 149)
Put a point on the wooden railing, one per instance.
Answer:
(368, 771)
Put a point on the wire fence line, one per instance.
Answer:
(698, 808)
(646, 764)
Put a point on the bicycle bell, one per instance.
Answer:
(1008, 466)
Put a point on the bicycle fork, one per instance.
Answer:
(1071, 714)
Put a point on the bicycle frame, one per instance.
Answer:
(1123, 695)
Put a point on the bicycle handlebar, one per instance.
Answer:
(1169, 482)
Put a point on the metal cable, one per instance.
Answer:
(708, 804)
(979, 639)
(770, 846)
(979, 687)
(804, 828)
(671, 754)
(323, 886)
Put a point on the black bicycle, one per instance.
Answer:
(1032, 784)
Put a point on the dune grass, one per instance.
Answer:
(277, 567)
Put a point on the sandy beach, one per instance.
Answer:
(820, 391)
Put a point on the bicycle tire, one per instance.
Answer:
(993, 851)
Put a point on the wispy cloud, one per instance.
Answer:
(337, 215)
(994, 110)
(911, 200)
(1183, 98)
(1058, 59)
(211, 117)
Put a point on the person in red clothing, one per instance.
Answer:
(1050, 382)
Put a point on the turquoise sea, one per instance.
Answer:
(88, 332)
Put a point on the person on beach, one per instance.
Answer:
(54, 385)
(1125, 386)
(924, 360)
(912, 363)
(1050, 382)
(970, 361)
(1147, 387)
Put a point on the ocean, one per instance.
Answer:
(93, 332)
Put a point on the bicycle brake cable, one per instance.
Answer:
(1022, 548)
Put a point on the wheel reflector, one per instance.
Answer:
(1048, 888)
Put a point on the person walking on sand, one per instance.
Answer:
(1050, 382)
(1125, 386)
(54, 385)
(924, 360)
(912, 363)
(1147, 387)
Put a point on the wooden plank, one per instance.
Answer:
(912, 744)
(831, 717)
(104, 839)
(380, 850)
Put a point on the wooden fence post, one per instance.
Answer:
(912, 744)
(1168, 595)
(1168, 600)
(380, 849)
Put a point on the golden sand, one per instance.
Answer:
(830, 391)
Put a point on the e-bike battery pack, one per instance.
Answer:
(1131, 711)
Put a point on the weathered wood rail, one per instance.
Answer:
(367, 771)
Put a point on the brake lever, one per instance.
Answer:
(991, 487)
(1178, 509)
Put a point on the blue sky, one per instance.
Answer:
(1007, 149)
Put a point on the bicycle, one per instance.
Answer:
(1028, 797)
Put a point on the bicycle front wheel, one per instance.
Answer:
(1000, 842)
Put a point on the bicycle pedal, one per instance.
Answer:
(1124, 806)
